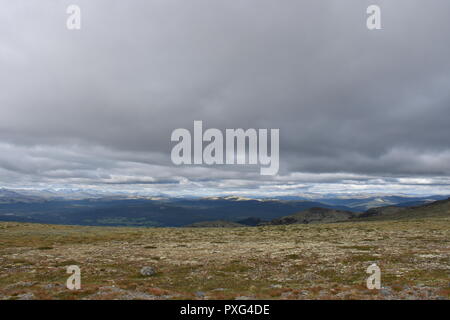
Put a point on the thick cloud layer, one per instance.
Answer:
(358, 110)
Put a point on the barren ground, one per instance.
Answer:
(327, 261)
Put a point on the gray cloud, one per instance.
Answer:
(355, 108)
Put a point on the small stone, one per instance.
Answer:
(26, 284)
(25, 296)
(309, 276)
(53, 286)
(386, 291)
(200, 294)
(20, 284)
(147, 271)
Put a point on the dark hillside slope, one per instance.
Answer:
(314, 215)
(440, 208)
(435, 209)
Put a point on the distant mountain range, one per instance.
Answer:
(90, 207)
(216, 224)
(440, 208)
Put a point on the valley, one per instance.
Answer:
(86, 207)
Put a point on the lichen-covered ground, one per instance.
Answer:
(327, 261)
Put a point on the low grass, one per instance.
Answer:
(269, 262)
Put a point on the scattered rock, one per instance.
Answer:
(310, 276)
(20, 284)
(53, 286)
(25, 296)
(200, 294)
(135, 295)
(342, 295)
(26, 283)
(385, 291)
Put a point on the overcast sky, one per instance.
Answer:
(358, 110)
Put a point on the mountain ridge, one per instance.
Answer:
(103, 209)
(439, 208)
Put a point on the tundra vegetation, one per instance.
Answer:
(314, 261)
